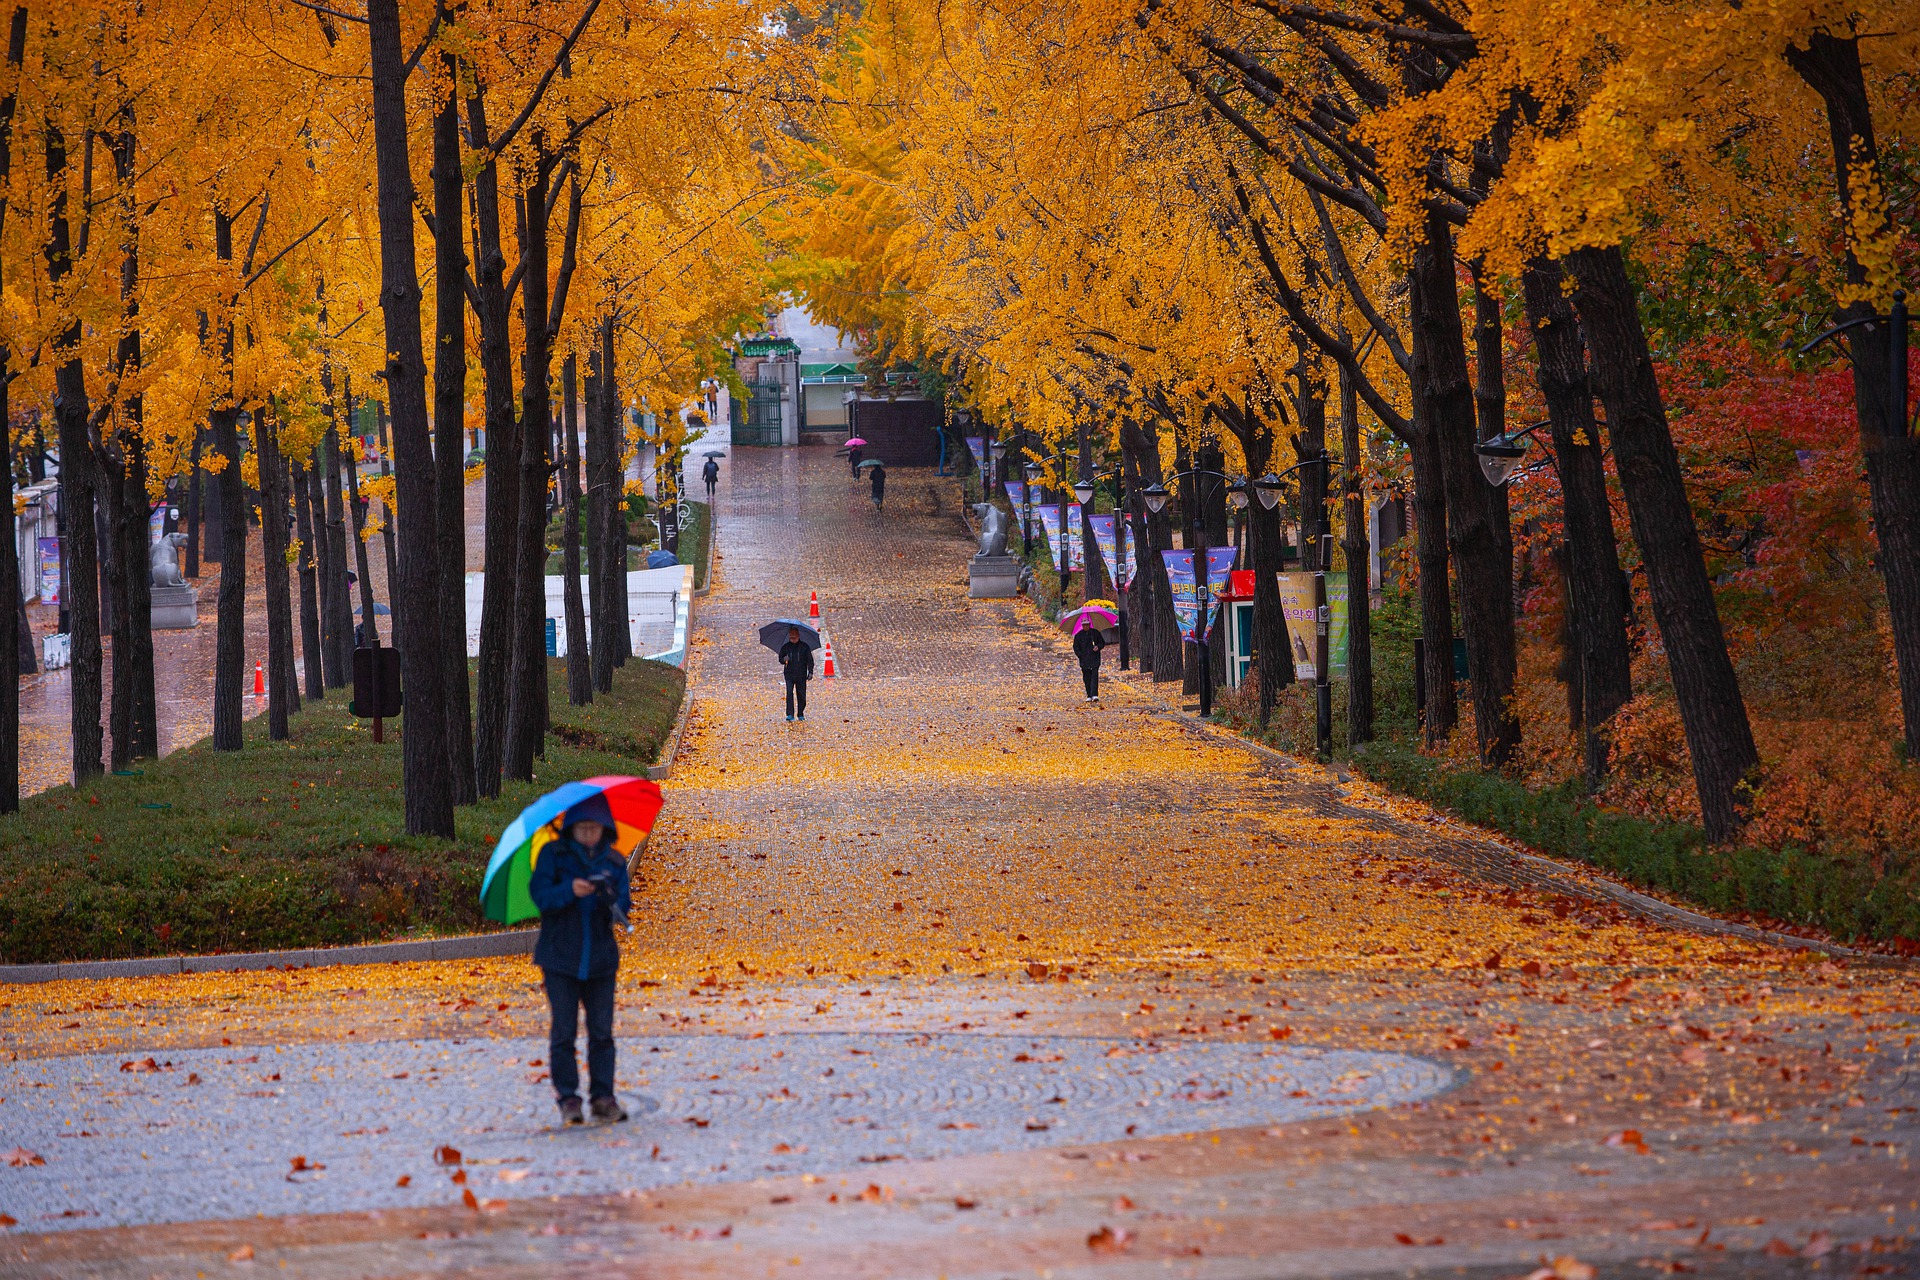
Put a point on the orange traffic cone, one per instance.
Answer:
(827, 668)
(813, 604)
(259, 681)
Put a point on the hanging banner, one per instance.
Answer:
(157, 525)
(977, 446)
(1076, 552)
(1016, 493)
(1296, 601)
(1103, 536)
(49, 549)
(1186, 591)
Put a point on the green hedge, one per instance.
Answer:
(290, 844)
(1851, 899)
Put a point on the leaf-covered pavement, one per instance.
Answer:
(954, 843)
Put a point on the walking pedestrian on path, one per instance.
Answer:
(1087, 644)
(853, 461)
(711, 474)
(796, 660)
(580, 885)
(879, 479)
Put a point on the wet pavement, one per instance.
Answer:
(955, 863)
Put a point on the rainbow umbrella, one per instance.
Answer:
(635, 803)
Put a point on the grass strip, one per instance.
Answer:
(286, 844)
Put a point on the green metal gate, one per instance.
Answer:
(762, 420)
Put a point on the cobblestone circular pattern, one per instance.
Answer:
(193, 1135)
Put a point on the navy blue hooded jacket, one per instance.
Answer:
(576, 934)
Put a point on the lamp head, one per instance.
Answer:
(1156, 496)
(1269, 487)
(999, 450)
(1237, 495)
(1500, 458)
(1032, 472)
(1083, 491)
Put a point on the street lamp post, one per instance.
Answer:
(1034, 469)
(1156, 496)
(1084, 490)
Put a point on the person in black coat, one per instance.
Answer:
(1087, 644)
(711, 474)
(853, 462)
(580, 884)
(879, 479)
(796, 660)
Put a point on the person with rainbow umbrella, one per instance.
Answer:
(565, 858)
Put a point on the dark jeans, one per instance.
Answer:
(565, 995)
(710, 490)
(797, 689)
(1091, 675)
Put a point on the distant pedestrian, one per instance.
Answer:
(853, 462)
(580, 884)
(879, 479)
(1087, 644)
(796, 660)
(711, 474)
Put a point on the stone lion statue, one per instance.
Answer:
(166, 561)
(993, 529)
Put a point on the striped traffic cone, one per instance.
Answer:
(259, 680)
(827, 668)
(813, 604)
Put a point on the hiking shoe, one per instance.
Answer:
(789, 719)
(570, 1111)
(608, 1110)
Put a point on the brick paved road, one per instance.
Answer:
(955, 845)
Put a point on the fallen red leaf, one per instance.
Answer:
(446, 1155)
(1108, 1240)
(20, 1158)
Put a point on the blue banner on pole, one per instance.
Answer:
(1186, 589)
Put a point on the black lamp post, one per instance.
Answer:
(1033, 470)
(1155, 495)
(996, 467)
(1269, 488)
(1084, 491)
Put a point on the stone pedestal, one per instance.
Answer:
(993, 577)
(175, 608)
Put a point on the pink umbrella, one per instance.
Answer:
(1090, 615)
(855, 443)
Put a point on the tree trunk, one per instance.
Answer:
(428, 769)
(313, 665)
(195, 483)
(77, 486)
(1831, 67)
(1484, 571)
(281, 690)
(502, 476)
(1490, 405)
(389, 523)
(579, 668)
(10, 655)
(449, 433)
(1704, 683)
(1436, 599)
(527, 684)
(230, 649)
(1359, 580)
(1597, 593)
(1167, 647)
(1272, 656)
(606, 555)
(1139, 591)
(369, 609)
(340, 522)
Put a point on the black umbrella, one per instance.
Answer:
(871, 462)
(714, 453)
(774, 634)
